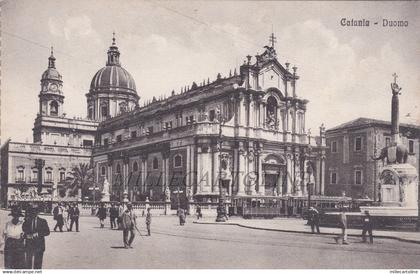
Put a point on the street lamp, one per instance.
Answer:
(221, 208)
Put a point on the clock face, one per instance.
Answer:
(53, 87)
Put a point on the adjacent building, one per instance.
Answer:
(38, 170)
(351, 146)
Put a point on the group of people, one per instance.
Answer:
(123, 217)
(66, 215)
(24, 240)
(367, 225)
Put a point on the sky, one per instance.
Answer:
(345, 72)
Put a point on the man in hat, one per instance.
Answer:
(14, 249)
(58, 216)
(35, 230)
(367, 227)
(314, 219)
(113, 215)
(128, 224)
(343, 225)
(74, 214)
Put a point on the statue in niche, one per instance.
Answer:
(272, 121)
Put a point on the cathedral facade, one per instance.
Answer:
(243, 135)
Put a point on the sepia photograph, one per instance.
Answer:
(208, 135)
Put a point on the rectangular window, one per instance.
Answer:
(334, 146)
(133, 134)
(62, 176)
(49, 176)
(187, 120)
(34, 176)
(212, 115)
(20, 175)
(192, 119)
(387, 141)
(119, 138)
(333, 178)
(358, 144)
(358, 177)
(106, 142)
(87, 143)
(149, 130)
(410, 146)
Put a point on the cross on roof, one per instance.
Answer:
(272, 40)
(395, 77)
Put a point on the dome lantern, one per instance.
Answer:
(111, 87)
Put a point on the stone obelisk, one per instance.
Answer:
(395, 112)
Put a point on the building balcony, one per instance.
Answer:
(49, 149)
(206, 129)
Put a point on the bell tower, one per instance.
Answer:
(51, 98)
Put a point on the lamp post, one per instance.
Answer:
(221, 208)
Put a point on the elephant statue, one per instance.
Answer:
(401, 154)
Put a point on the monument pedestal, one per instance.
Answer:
(399, 192)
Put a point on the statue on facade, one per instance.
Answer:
(167, 194)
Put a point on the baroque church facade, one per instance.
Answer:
(243, 135)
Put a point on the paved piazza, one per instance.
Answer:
(214, 246)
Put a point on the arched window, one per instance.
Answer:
(155, 163)
(54, 108)
(103, 171)
(118, 168)
(178, 161)
(135, 167)
(272, 113)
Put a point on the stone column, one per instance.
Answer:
(215, 177)
(322, 177)
(262, 114)
(290, 173)
(199, 170)
(261, 185)
(252, 111)
(242, 110)
(242, 170)
(144, 174)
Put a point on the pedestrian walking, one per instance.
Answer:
(314, 219)
(343, 226)
(101, 215)
(121, 210)
(35, 230)
(14, 248)
(148, 221)
(74, 214)
(129, 224)
(198, 212)
(367, 227)
(181, 215)
(58, 217)
(113, 216)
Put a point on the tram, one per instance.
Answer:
(281, 206)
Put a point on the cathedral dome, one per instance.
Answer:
(112, 77)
